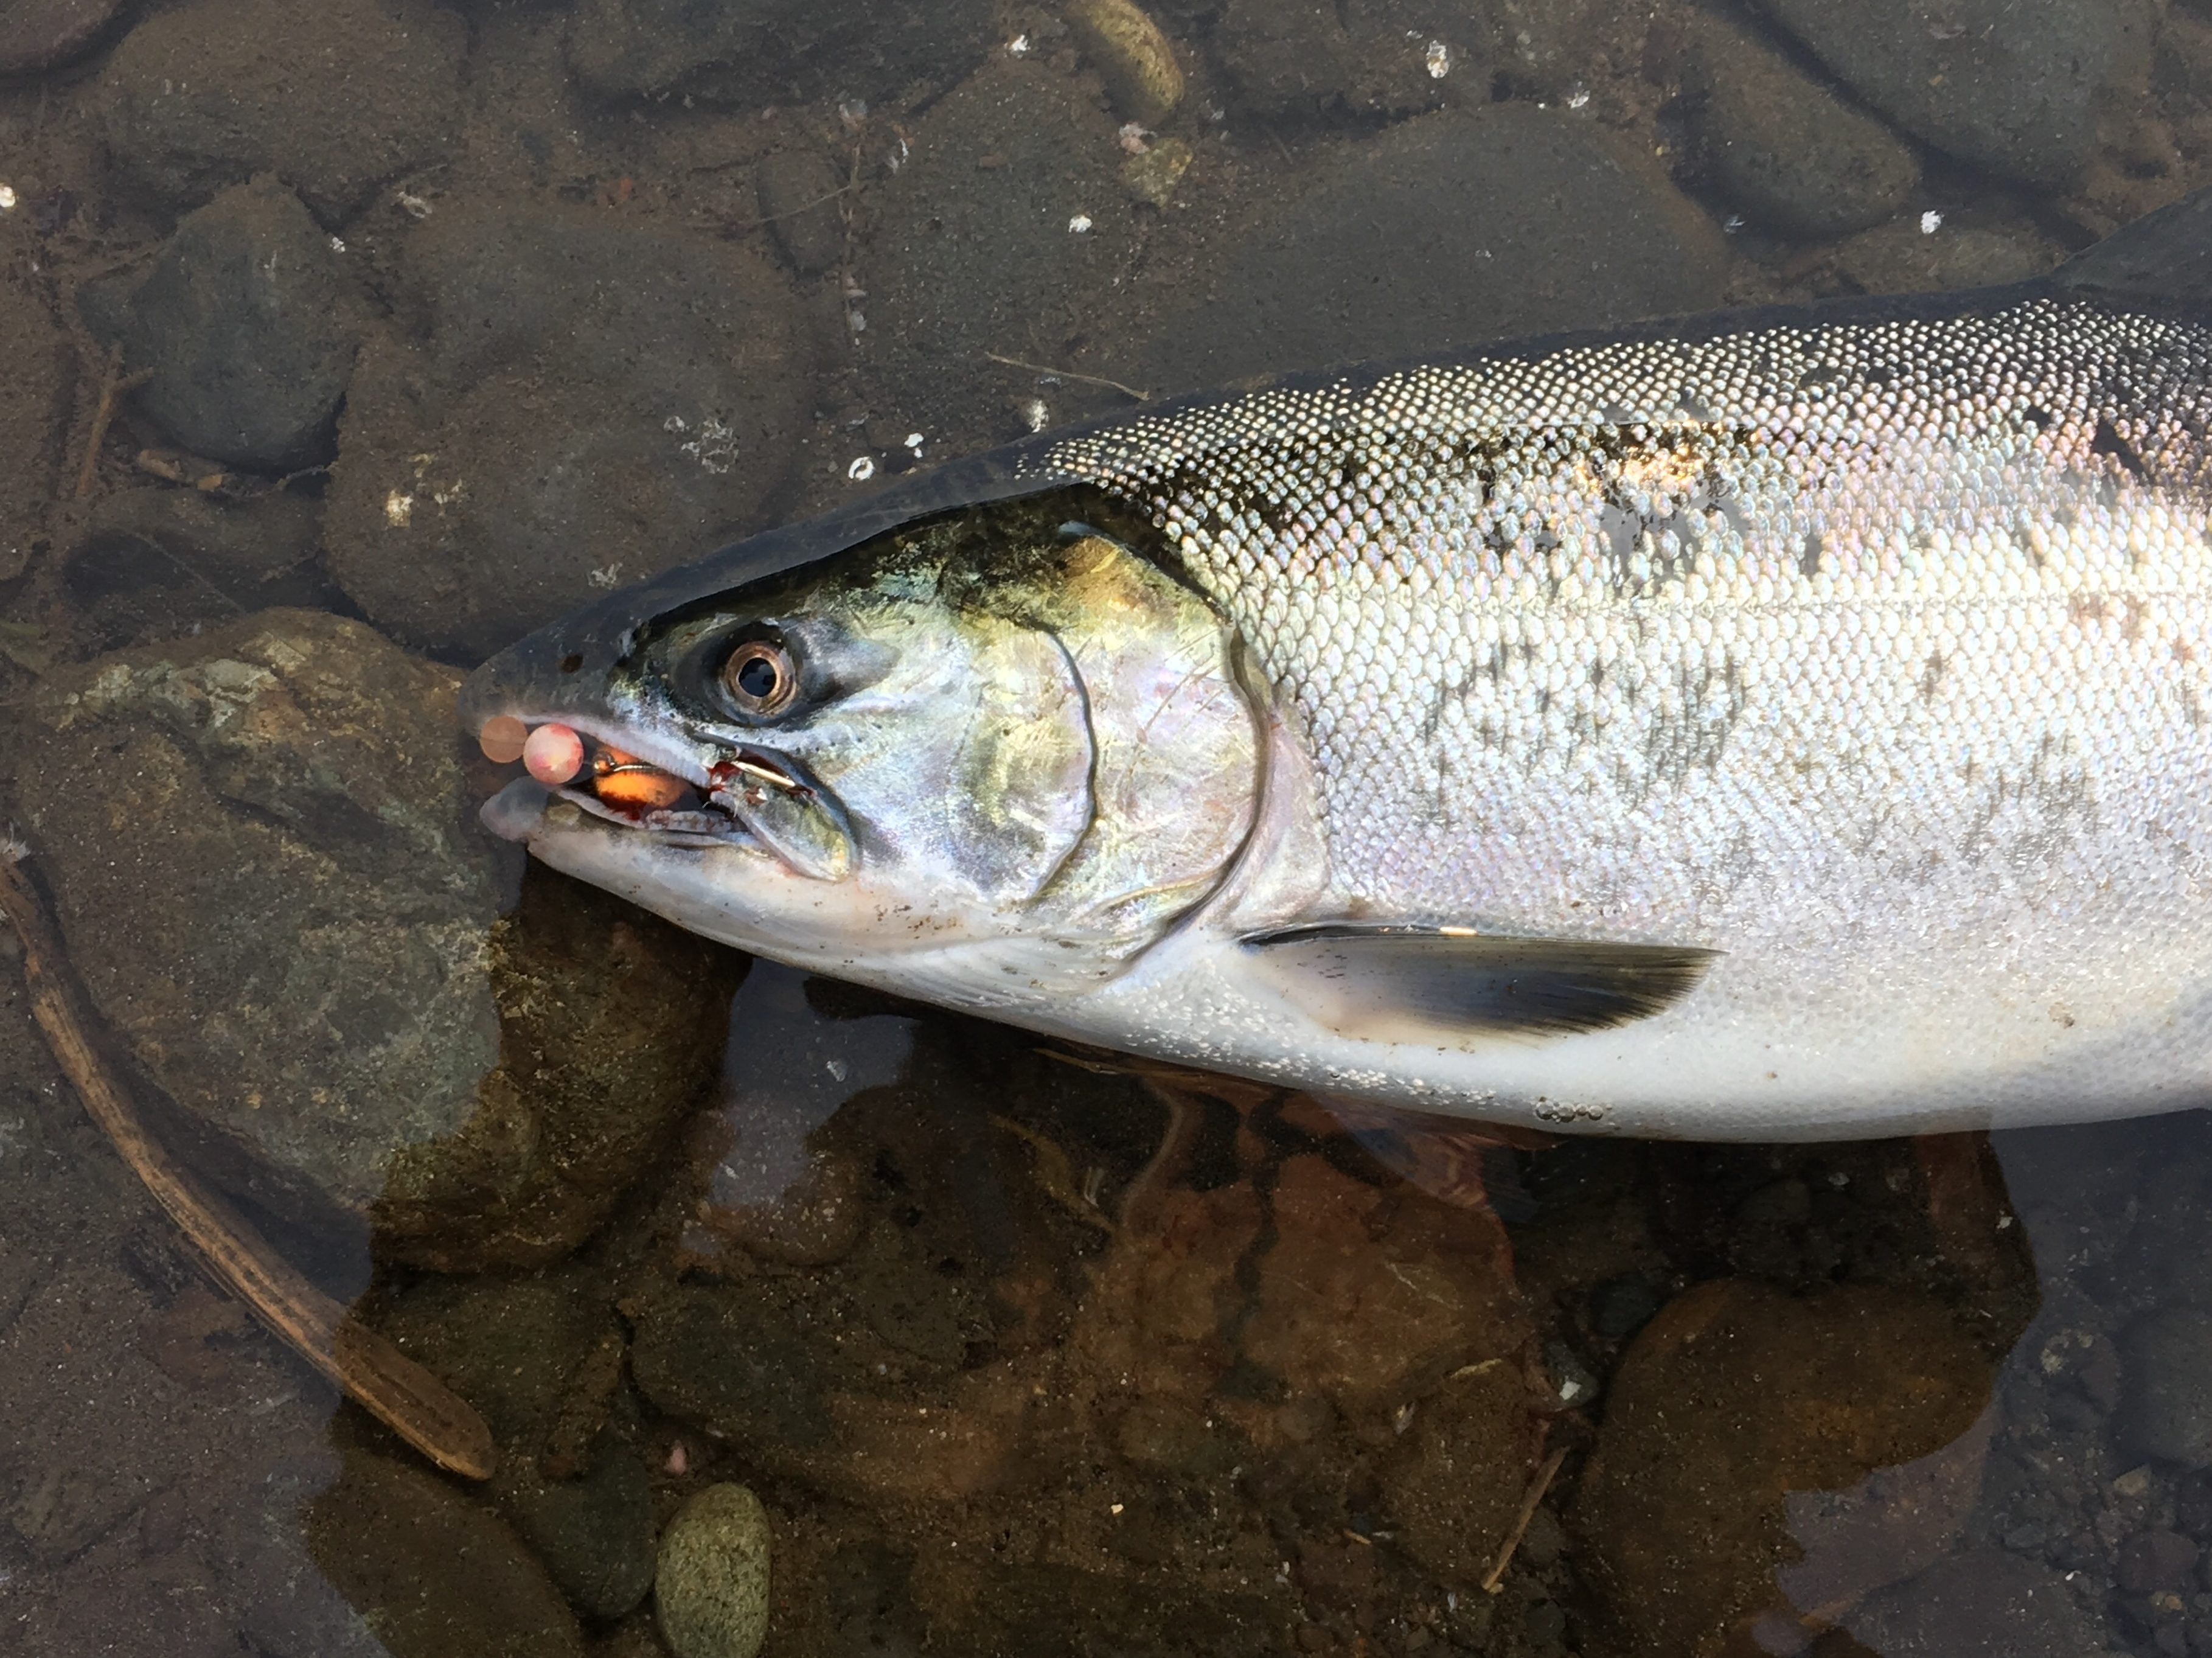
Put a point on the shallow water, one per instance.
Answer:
(1022, 1349)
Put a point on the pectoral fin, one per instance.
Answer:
(1399, 983)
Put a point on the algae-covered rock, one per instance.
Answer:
(710, 1584)
(262, 848)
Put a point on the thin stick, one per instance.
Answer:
(118, 385)
(1543, 1482)
(793, 212)
(405, 1397)
(1070, 374)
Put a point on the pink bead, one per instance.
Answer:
(553, 755)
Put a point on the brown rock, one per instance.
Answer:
(1453, 1484)
(1372, 1299)
(1766, 1458)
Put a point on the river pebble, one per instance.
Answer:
(710, 1584)
(1977, 79)
(432, 1572)
(248, 321)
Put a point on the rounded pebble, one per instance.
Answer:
(710, 1583)
(502, 738)
(553, 755)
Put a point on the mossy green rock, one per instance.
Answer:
(710, 1584)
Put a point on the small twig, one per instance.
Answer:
(1496, 1578)
(1070, 374)
(793, 212)
(400, 1393)
(118, 385)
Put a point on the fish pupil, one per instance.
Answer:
(758, 678)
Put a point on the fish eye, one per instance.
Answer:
(760, 677)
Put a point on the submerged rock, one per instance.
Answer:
(1912, 256)
(977, 249)
(432, 1573)
(1506, 222)
(774, 51)
(275, 816)
(2019, 94)
(247, 322)
(1784, 147)
(1765, 1457)
(36, 34)
(540, 1358)
(589, 403)
(337, 99)
(710, 1585)
(157, 560)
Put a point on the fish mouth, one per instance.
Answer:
(670, 798)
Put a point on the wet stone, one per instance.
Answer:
(1303, 61)
(158, 559)
(1784, 147)
(772, 51)
(431, 1572)
(2166, 1410)
(337, 100)
(282, 829)
(723, 1357)
(1373, 1304)
(1764, 1456)
(1508, 222)
(522, 1352)
(1448, 1486)
(36, 34)
(974, 251)
(1904, 257)
(710, 1585)
(588, 403)
(2020, 101)
(247, 321)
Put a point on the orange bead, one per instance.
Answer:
(501, 739)
(639, 788)
(553, 755)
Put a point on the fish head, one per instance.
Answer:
(982, 759)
